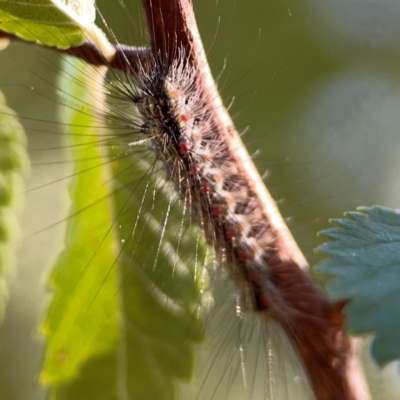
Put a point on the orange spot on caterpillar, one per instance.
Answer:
(184, 118)
(242, 256)
(217, 210)
(184, 148)
(229, 234)
(174, 94)
(194, 169)
(263, 302)
(205, 188)
(218, 177)
(196, 136)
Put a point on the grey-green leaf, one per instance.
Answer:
(365, 265)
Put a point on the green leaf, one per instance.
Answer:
(365, 266)
(79, 328)
(13, 163)
(55, 23)
(126, 314)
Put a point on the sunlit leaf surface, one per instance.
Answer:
(55, 23)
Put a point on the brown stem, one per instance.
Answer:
(127, 58)
(313, 323)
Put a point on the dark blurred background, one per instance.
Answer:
(315, 81)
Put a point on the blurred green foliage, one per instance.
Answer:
(13, 167)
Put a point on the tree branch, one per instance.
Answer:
(127, 58)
